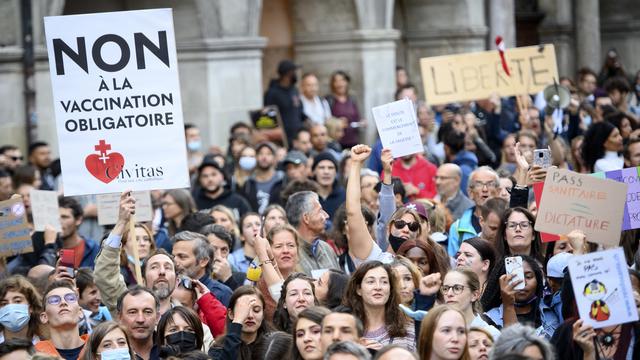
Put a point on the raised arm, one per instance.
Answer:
(386, 198)
(360, 241)
(107, 269)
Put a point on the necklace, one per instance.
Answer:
(606, 343)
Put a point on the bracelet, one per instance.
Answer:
(269, 261)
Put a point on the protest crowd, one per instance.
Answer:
(327, 248)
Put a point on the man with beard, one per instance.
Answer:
(194, 259)
(213, 190)
(305, 213)
(257, 188)
(159, 274)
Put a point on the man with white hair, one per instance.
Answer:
(484, 183)
(448, 180)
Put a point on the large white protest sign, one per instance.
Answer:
(398, 127)
(108, 207)
(117, 101)
(44, 208)
(602, 288)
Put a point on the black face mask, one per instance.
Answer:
(395, 242)
(294, 78)
(185, 340)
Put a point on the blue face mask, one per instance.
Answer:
(587, 120)
(247, 163)
(14, 317)
(116, 354)
(194, 145)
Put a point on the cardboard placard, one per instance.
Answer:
(108, 206)
(577, 201)
(398, 128)
(537, 192)
(473, 76)
(15, 234)
(602, 288)
(44, 208)
(631, 177)
(117, 103)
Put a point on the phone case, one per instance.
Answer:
(542, 157)
(513, 265)
(67, 258)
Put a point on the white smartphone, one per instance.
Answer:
(542, 157)
(513, 265)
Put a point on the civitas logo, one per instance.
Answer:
(110, 165)
(105, 166)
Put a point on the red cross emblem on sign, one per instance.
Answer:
(107, 165)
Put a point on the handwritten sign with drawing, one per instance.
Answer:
(631, 177)
(398, 128)
(473, 76)
(15, 234)
(602, 288)
(577, 201)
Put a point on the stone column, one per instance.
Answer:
(502, 21)
(221, 73)
(354, 36)
(438, 27)
(557, 29)
(588, 33)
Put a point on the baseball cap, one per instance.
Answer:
(295, 157)
(419, 208)
(285, 66)
(557, 263)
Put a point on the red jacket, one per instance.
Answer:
(212, 313)
(421, 175)
(47, 347)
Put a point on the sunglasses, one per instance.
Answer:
(186, 283)
(69, 298)
(400, 224)
(16, 158)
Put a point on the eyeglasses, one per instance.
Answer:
(524, 225)
(457, 289)
(480, 184)
(16, 158)
(400, 224)
(69, 298)
(186, 283)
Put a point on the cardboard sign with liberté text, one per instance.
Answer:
(117, 104)
(44, 209)
(573, 201)
(108, 206)
(478, 75)
(15, 233)
(398, 128)
(602, 288)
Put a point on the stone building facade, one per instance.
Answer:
(229, 49)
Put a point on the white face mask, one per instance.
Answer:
(247, 163)
(116, 354)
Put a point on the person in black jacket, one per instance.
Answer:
(284, 94)
(213, 190)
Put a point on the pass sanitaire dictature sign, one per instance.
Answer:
(117, 101)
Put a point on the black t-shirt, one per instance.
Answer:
(70, 354)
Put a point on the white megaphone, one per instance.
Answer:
(557, 97)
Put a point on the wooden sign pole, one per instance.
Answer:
(136, 256)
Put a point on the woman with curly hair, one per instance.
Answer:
(373, 296)
(20, 308)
